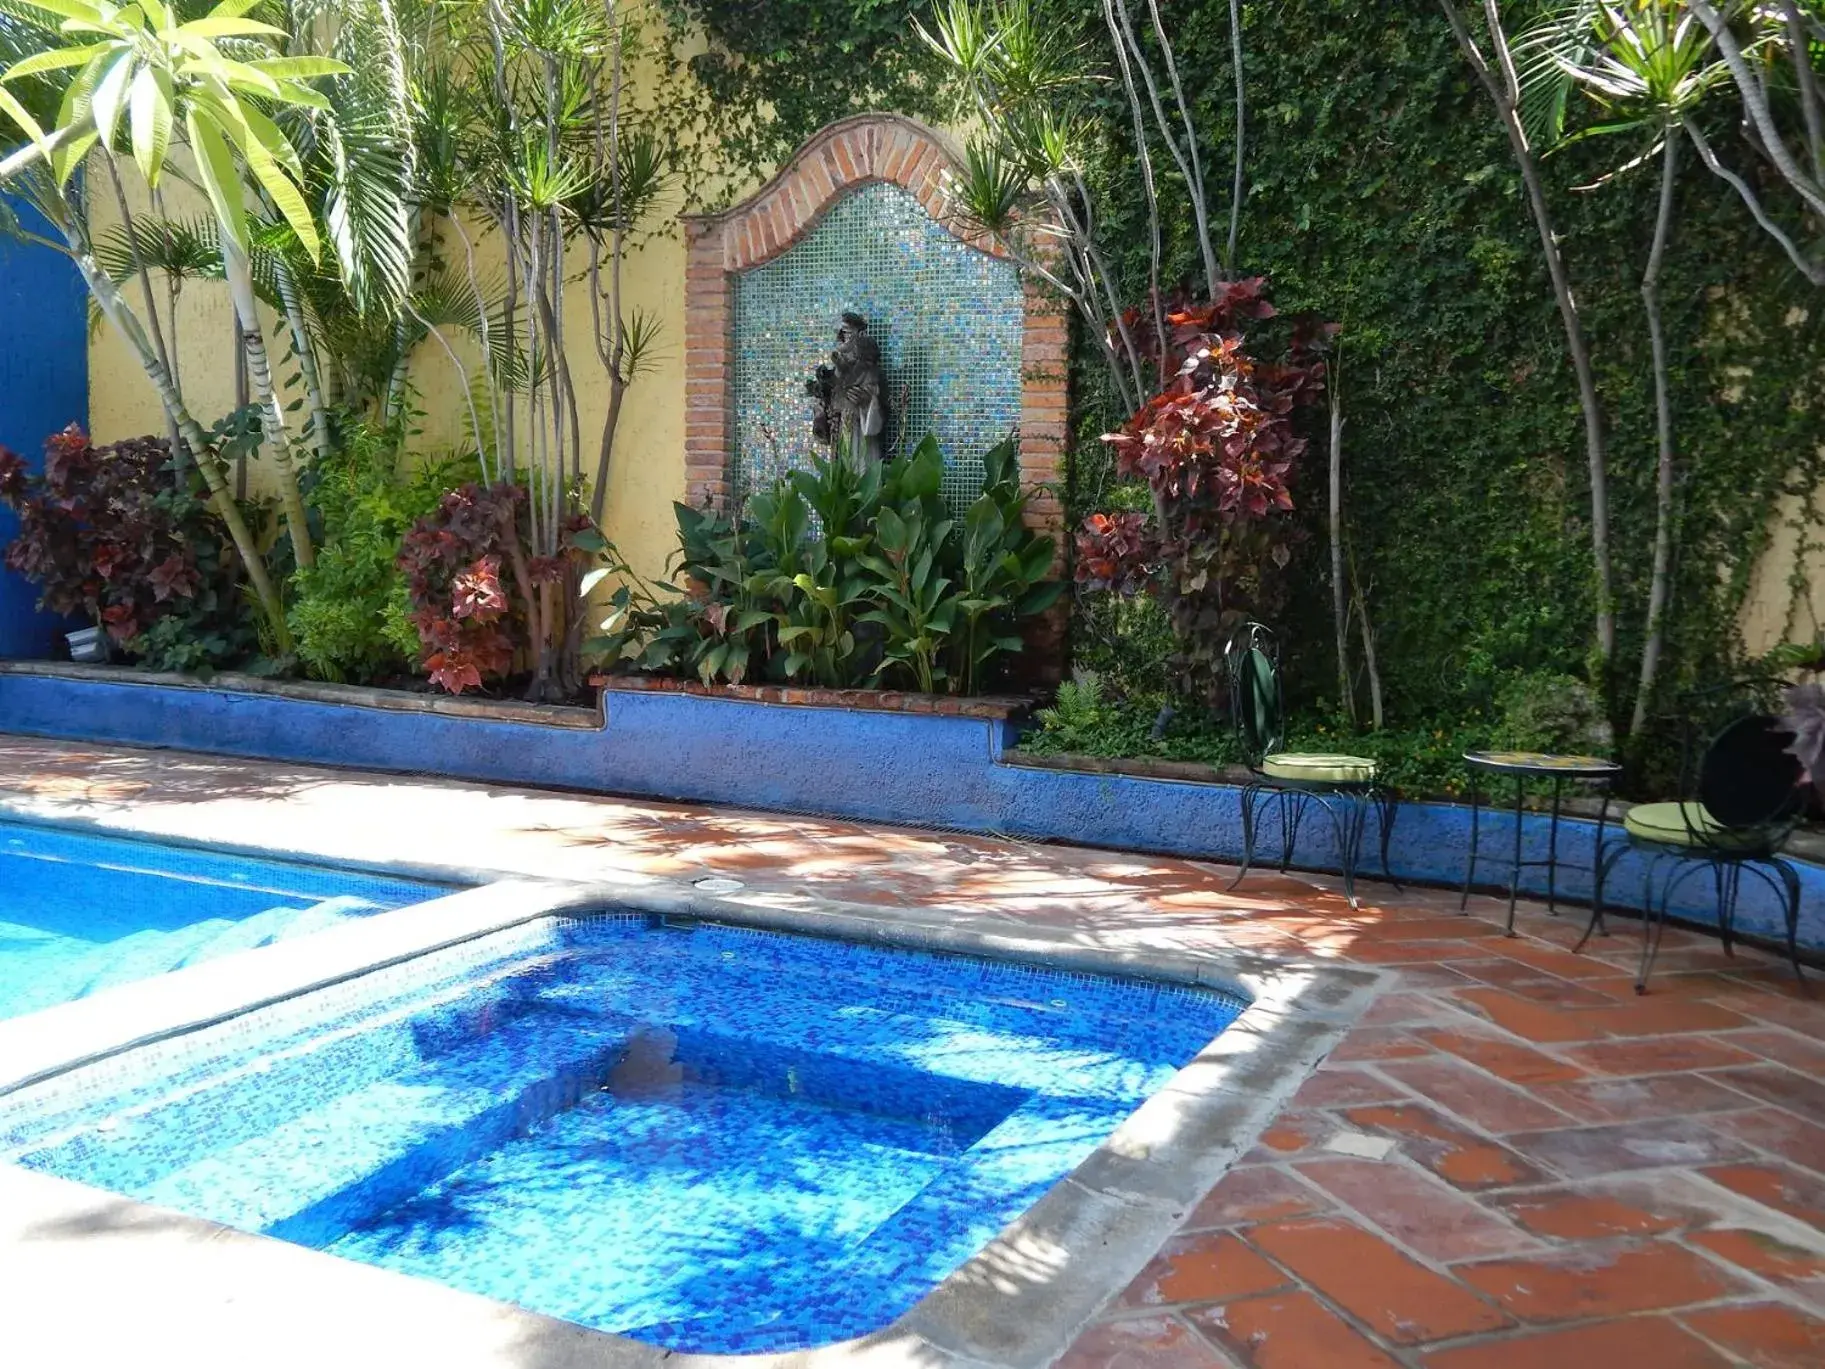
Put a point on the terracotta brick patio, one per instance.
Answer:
(1512, 1162)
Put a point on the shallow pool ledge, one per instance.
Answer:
(183, 1288)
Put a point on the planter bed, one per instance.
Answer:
(881, 757)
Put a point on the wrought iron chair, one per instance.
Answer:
(1745, 802)
(1342, 787)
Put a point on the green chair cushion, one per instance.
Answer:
(1685, 824)
(1318, 769)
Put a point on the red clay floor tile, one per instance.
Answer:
(1142, 1343)
(1471, 1094)
(1289, 1331)
(1417, 1210)
(1585, 1152)
(1570, 1215)
(1372, 1281)
(1779, 1133)
(1505, 1059)
(1256, 1193)
(1766, 1335)
(1775, 1260)
(1780, 1086)
(1208, 1267)
(1637, 1343)
(1600, 1283)
(1460, 1157)
(1792, 1191)
(1657, 1055)
(1640, 1098)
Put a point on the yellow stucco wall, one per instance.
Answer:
(647, 473)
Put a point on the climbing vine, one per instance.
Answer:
(1382, 195)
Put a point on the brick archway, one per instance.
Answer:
(840, 159)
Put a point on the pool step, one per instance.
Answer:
(311, 1178)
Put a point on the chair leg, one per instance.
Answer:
(1388, 806)
(1791, 880)
(1653, 929)
(1250, 793)
(1606, 863)
(1726, 908)
(1476, 810)
(1292, 813)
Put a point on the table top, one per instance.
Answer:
(1543, 763)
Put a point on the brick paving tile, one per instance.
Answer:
(1291, 1134)
(1637, 1343)
(1584, 1152)
(1790, 1266)
(1640, 1098)
(1367, 1044)
(1574, 1215)
(1604, 1282)
(1460, 1157)
(1780, 1133)
(1417, 1210)
(1663, 1055)
(1650, 1016)
(1289, 1331)
(1792, 1191)
(1142, 1343)
(1506, 1059)
(1784, 1047)
(1780, 1086)
(1211, 1267)
(1400, 1009)
(1766, 1335)
(1552, 960)
(1474, 1096)
(1256, 1193)
(1385, 1290)
(1346, 1087)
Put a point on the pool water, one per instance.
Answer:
(79, 913)
(708, 1138)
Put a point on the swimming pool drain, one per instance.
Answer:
(716, 884)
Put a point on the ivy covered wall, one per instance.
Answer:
(1382, 195)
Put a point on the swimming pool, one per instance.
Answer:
(705, 1137)
(79, 913)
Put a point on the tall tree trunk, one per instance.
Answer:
(259, 371)
(1659, 590)
(1235, 193)
(1340, 603)
(1504, 93)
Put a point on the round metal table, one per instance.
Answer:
(1522, 767)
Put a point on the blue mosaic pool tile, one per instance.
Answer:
(81, 913)
(714, 1139)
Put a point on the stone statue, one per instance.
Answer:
(851, 395)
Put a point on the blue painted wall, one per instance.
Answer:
(887, 767)
(44, 386)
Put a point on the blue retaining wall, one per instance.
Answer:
(44, 387)
(887, 767)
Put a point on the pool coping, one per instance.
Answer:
(234, 1298)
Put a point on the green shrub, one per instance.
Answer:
(1542, 711)
(348, 612)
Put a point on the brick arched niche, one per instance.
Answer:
(885, 178)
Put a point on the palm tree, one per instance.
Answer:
(148, 73)
(1646, 65)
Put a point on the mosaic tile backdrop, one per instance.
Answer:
(949, 320)
(709, 1138)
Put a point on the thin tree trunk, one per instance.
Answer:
(1235, 194)
(1340, 610)
(1503, 92)
(1123, 35)
(1200, 200)
(1369, 662)
(1813, 271)
(115, 310)
(1659, 589)
(259, 371)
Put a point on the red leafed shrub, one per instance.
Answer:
(113, 535)
(484, 606)
(1217, 448)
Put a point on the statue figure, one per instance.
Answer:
(851, 395)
